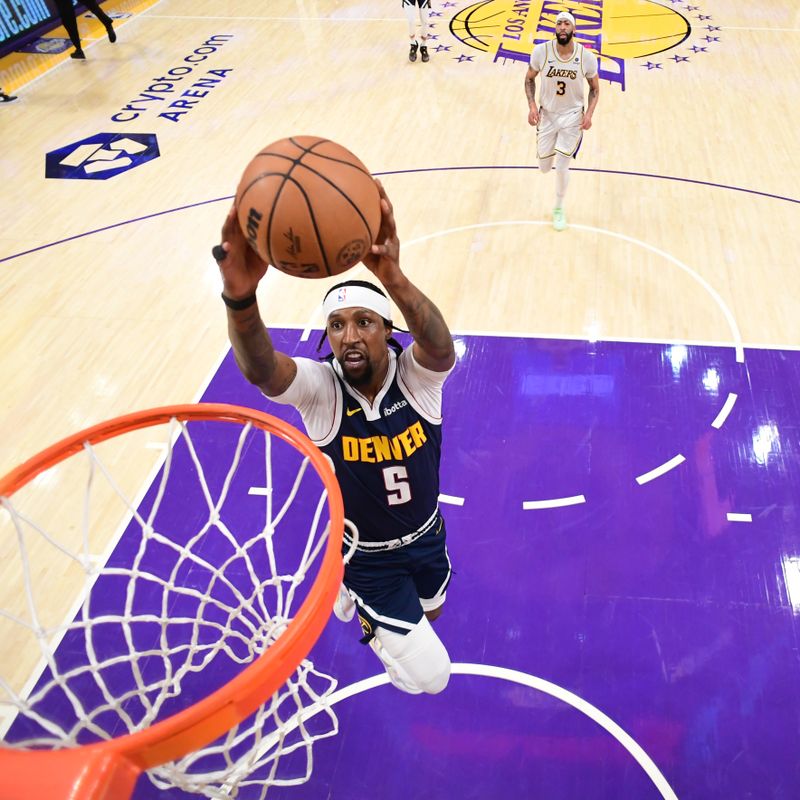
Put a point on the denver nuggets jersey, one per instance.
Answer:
(562, 80)
(386, 454)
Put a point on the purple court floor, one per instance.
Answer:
(644, 600)
(623, 526)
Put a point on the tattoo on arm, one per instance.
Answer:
(594, 92)
(425, 322)
(428, 327)
(253, 348)
(530, 87)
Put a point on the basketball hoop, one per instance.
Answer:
(233, 608)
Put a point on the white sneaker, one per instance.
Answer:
(344, 608)
(397, 675)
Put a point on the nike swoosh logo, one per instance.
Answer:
(351, 411)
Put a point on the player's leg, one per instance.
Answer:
(424, 10)
(67, 13)
(94, 7)
(411, 15)
(546, 133)
(419, 658)
(412, 654)
(568, 141)
(431, 569)
(417, 661)
(562, 181)
(344, 608)
(393, 621)
(546, 164)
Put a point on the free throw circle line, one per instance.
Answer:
(523, 679)
(556, 502)
(661, 469)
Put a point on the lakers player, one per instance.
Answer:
(560, 118)
(375, 409)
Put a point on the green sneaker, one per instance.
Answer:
(559, 219)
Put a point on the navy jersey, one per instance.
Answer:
(386, 454)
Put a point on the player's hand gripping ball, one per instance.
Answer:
(309, 207)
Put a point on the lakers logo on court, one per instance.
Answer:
(101, 156)
(625, 34)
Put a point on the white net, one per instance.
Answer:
(205, 571)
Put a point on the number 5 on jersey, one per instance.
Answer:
(398, 490)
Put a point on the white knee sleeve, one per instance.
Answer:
(563, 162)
(419, 657)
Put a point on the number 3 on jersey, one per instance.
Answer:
(398, 490)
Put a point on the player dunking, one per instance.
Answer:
(410, 7)
(375, 409)
(560, 119)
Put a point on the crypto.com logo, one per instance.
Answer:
(101, 156)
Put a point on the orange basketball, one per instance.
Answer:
(308, 206)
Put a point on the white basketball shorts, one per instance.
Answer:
(558, 133)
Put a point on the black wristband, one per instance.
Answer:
(239, 305)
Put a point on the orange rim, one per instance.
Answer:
(110, 769)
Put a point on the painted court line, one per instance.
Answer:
(758, 30)
(658, 471)
(740, 517)
(706, 286)
(450, 500)
(524, 679)
(527, 334)
(233, 18)
(726, 409)
(556, 502)
(715, 296)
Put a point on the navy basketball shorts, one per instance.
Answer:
(393, 588)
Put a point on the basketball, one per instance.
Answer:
(308, 206)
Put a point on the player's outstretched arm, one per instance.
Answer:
(241, 270)
(530, 93)
(433, 344)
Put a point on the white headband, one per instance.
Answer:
(567, 16)
(356, 297)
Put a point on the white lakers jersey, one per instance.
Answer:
(562, 83)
